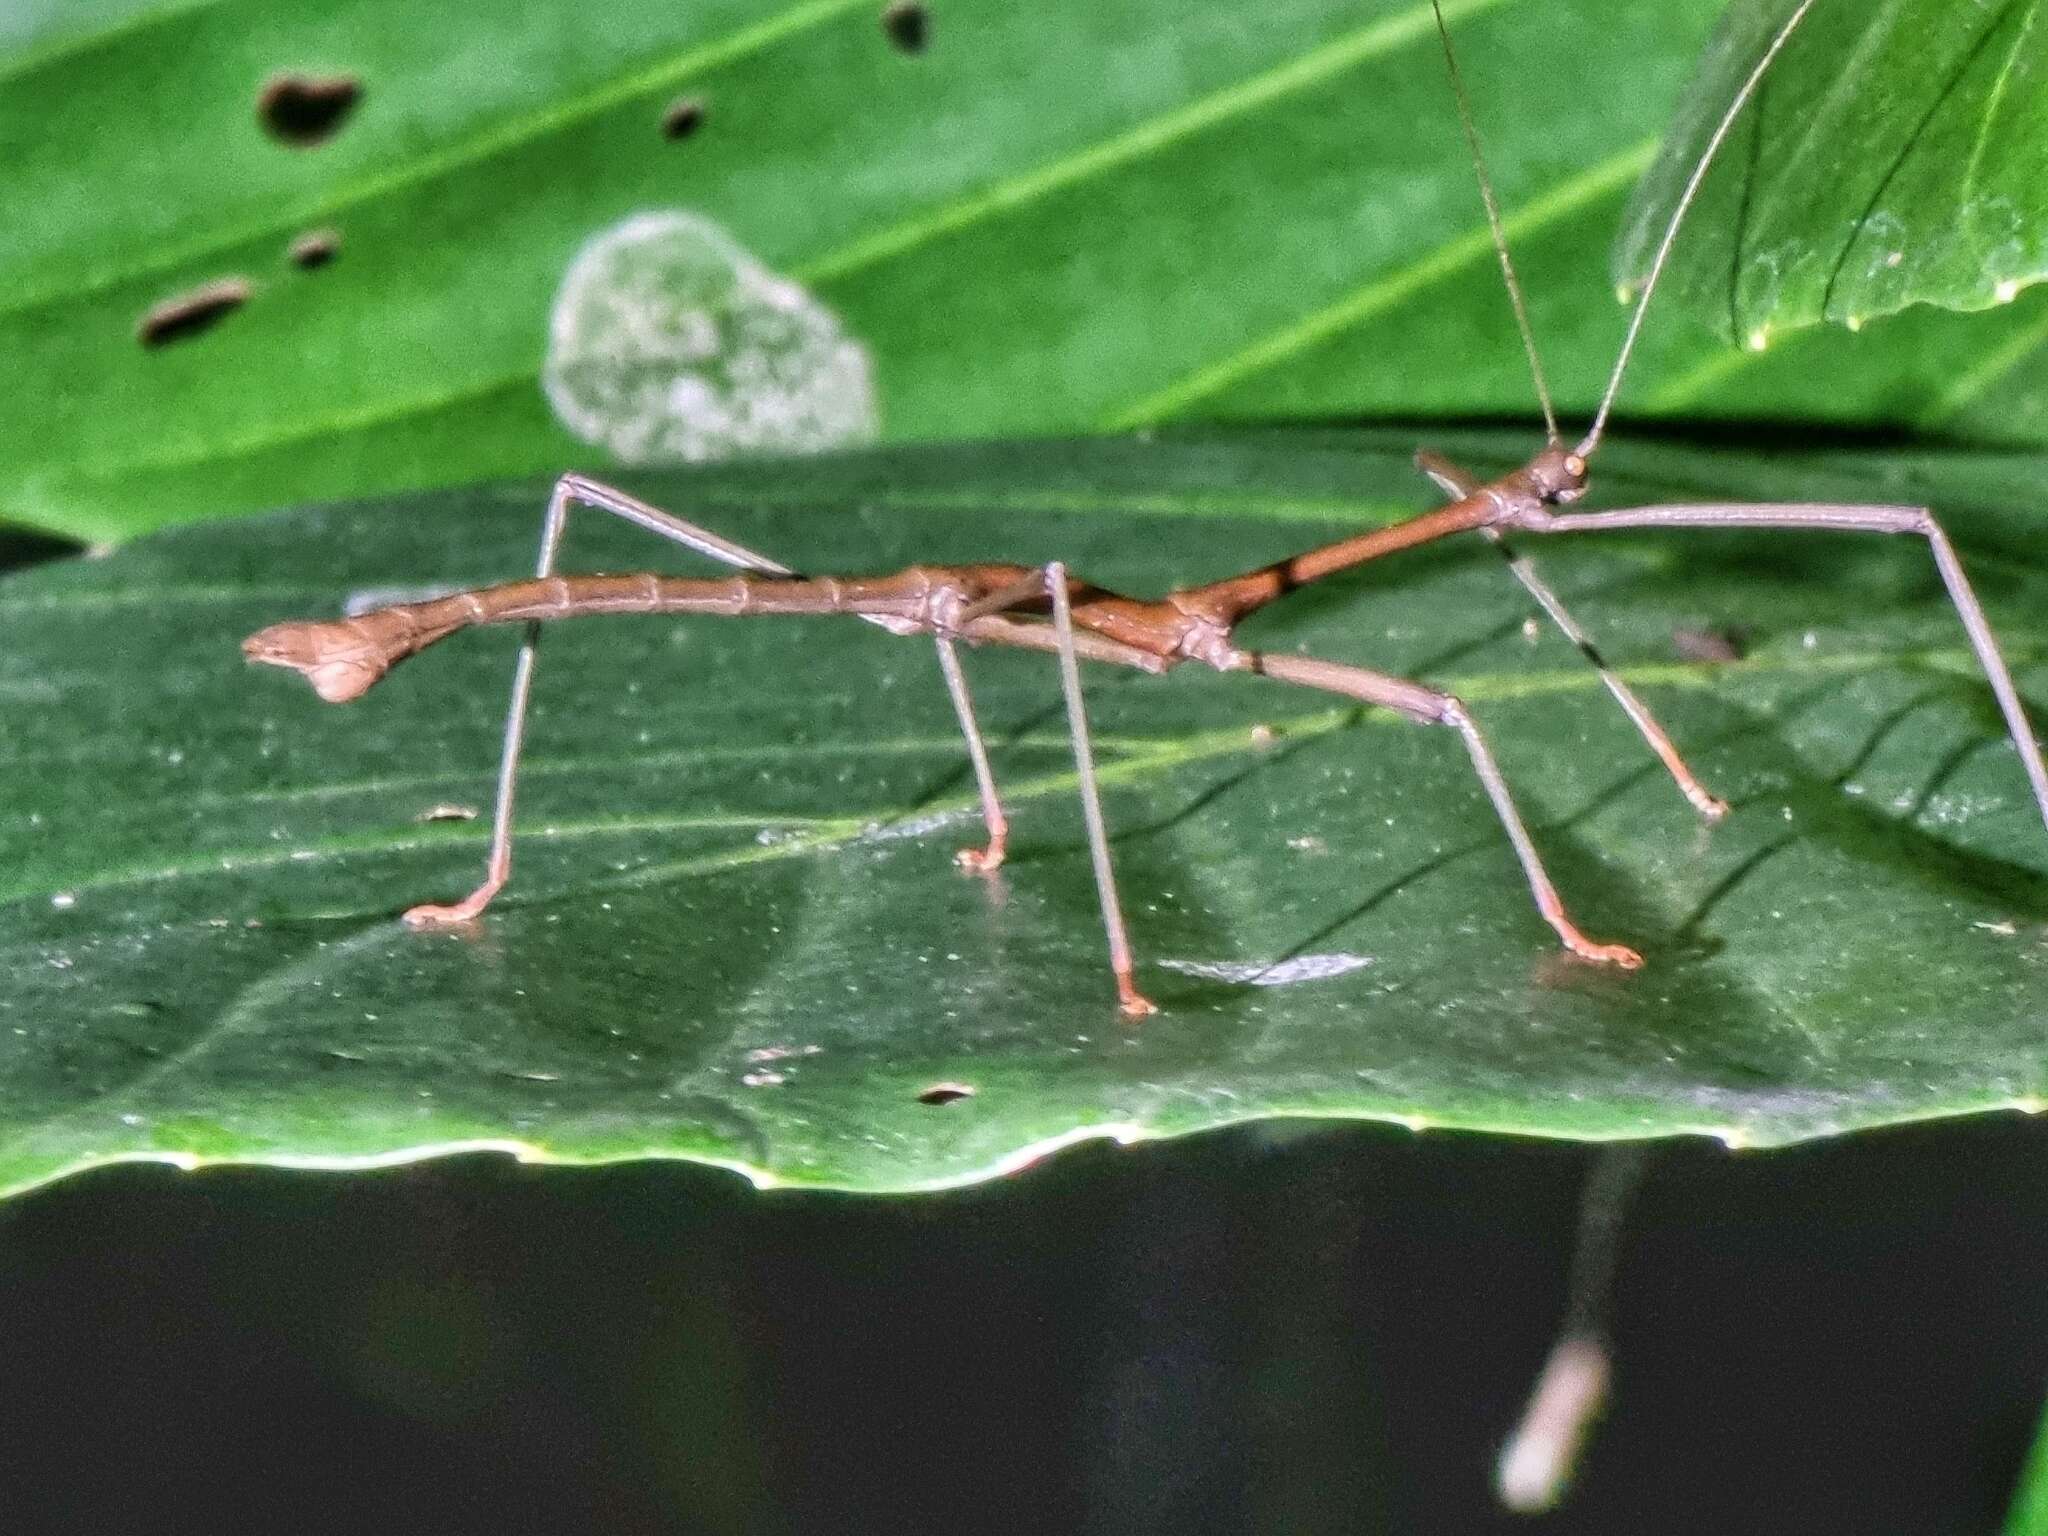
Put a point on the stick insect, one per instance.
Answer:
(1042, 609)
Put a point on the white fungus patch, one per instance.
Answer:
(670, 343)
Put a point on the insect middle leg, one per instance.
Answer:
(986, 859)
(1845, 518)
(1427, 706)
(1051, 581)
(1455, 482)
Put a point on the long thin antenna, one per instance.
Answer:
(1500, 236)
(1692, 187)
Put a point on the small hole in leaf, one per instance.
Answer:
(908, 25)
(190, 313)
(314, 249)
(685, 115)
(945, 1093)
(307, 109)
(1710, 643)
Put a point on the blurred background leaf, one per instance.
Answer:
(1895, 155)
(1052, 217)
(735, 932)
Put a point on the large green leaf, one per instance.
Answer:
(735, 931)
(1895, 154)
(1059, 216)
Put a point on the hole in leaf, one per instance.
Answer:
(945, 1093)
(685, 115)
(307, 109)
(314, 249)
(190, 313)
(1718, 642)
(908, 25)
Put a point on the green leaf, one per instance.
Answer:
(1058, 217)
(735, 931)
(1894, 155)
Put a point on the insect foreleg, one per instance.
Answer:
(1457, 484)
(1824, 517)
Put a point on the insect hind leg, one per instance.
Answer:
(569, 491)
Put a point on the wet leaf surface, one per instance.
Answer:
(735, 931)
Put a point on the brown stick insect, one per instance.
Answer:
(1043, 609)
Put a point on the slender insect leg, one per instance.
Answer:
(1826, 517)
(1133, 1003)
(1029, 590)
(1705, 801)
(1457, 483)
(982, 860)
(1426, 706)
(570, 489)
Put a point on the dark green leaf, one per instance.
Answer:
(1894, 155)
(1058, 216)
(735, 931)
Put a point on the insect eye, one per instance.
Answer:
(1574, 466)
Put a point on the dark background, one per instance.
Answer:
(1287, 1327)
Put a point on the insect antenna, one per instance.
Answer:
(1500, 237)
(1692, 187)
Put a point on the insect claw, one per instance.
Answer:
(1132, 1003)
(982, 861)
(467, 910)
(1604, 954)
